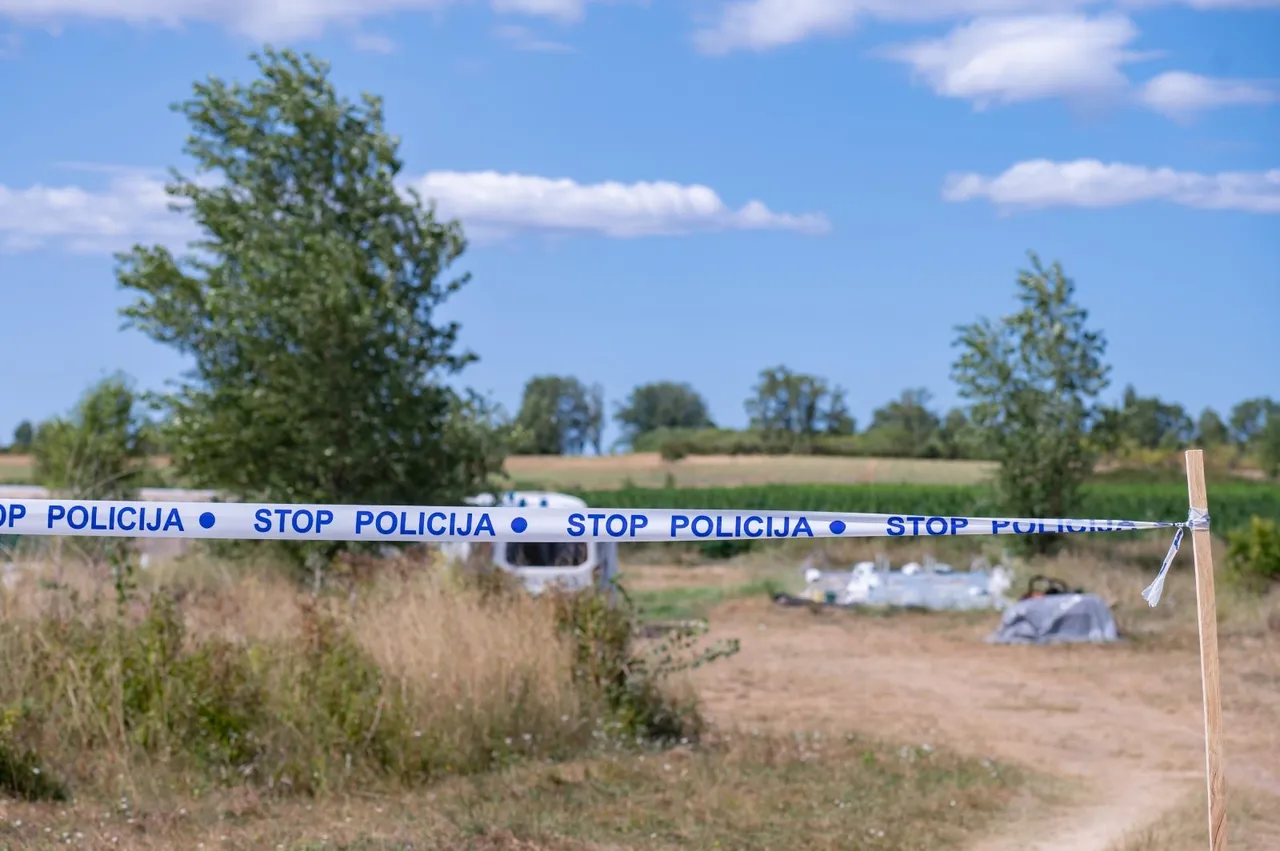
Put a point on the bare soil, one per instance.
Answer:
(1120, 727)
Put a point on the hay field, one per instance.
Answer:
(648, 469)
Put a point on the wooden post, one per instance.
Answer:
(1210, 670)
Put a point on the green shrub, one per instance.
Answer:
(1253, 554)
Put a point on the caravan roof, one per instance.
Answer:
(522, 499)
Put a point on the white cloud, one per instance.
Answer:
(261, 19)
(561, 10)
(1180, 95)
(521, 202)
(1007, 60)
(1038, 184)
(767, 24)
(133, 207)
(373, 43)
(523, 38)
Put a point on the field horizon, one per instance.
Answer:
(651, 470)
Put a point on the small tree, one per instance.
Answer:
(559, 415)
(308, 308)
(793, 406)
(22, 436)
(1033, 378)
(99, 451)
(662, 404)
(906, 427)
(1248, 418)
(1268, 441)
(1211, 430)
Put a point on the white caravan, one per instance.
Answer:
(573, 565)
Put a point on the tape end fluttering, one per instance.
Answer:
(1196, 519)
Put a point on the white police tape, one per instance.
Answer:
(400, 523)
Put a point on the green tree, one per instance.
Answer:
(795, 406)
(1248, 418)
(1211, 430)
(1146, 422)
(659, 405)
(22, 436)
(99, 451)
(1033, 378)
(958, 437)
(559, 415)
(307, 306)
(1268, 442)
(906, 427)
(595, 418)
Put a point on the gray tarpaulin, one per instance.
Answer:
(1056, 618)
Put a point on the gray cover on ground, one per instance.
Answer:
(1056, 618)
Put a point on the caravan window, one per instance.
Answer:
(536, 554)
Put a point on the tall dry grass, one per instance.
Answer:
(214, 675)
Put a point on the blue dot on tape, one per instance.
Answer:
(207, 520)
(519, 524)
(837, 527)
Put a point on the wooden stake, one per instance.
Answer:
(1210, 670)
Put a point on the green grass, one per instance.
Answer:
(785, 792)
(692, 603)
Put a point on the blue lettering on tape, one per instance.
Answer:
(300, 521)
(11, 514)
(614, 525)
(123, 518)
(423, 524)
(738, 526)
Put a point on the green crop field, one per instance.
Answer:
(1230, 504)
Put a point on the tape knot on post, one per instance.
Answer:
(1197, 520)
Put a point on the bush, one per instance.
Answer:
(100, 451)
(1253, 554)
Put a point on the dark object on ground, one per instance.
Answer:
(1043, 586)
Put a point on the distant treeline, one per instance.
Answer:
(792, 412)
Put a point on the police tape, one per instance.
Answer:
(440, 524)
(398, 523)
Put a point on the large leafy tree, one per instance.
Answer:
(1033, 379)
(307, 304)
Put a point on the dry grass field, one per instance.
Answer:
(650, 470)
(832, 730)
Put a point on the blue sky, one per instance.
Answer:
(696, 190)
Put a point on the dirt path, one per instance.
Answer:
(1119, 725)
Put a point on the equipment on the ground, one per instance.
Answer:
(1056, 618)
(1044, 586)
(931, 585)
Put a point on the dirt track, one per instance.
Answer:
(1121, 725)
